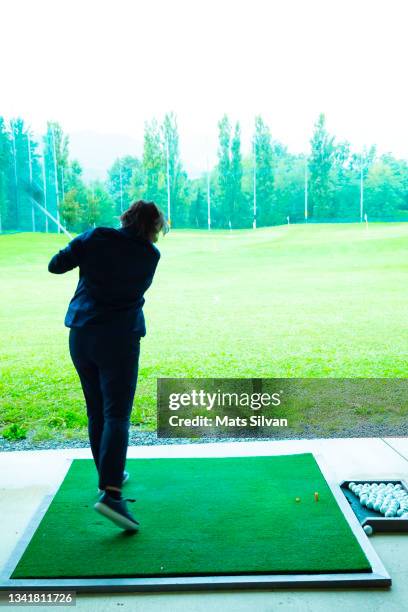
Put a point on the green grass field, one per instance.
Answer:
(233, 526)
(298, 301)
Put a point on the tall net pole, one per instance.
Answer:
(306, 191)
(254, 183)
(62, 183)
(361, 188)
(121, 186)
(168, 182)
(44, 176)
(13, 147)
(54, 151)
(208, 198)
(30, 174)
(48, 214)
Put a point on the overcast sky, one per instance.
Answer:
(107, 66)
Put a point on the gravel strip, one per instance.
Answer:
(149, 438)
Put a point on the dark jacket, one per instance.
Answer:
(115, 270)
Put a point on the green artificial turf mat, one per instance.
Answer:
(201, 516)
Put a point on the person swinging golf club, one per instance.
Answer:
(105, 317)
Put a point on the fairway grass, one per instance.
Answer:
(292, 301)
(198, 518)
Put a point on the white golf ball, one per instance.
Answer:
(368, 530)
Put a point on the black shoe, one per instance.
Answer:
(116, 511)
(125, 478)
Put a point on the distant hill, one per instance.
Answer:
(96, 152)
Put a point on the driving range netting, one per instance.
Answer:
(201, 516)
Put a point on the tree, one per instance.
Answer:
(265, 197)
(384, 189)
(74, 206)
(154, 165)
(198, 218)
(344, 183)
(100, 206)
(56, 164)
(178, 180)
(5, 163)
(72, 210)
(400, 172)
(239, 210)
(223, 201)
(289, 189)
(137, 183)
(74, 178)
(23, 171)
(320, 166)
(125, 182)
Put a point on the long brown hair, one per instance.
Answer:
(145, 219)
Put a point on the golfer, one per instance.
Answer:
(116, 267)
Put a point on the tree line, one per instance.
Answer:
(41, 185)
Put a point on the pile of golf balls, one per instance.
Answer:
(391, 500)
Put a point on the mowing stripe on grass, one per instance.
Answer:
(201, 516)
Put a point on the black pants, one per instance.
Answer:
(107, 360)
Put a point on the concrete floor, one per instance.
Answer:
(25, 477)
